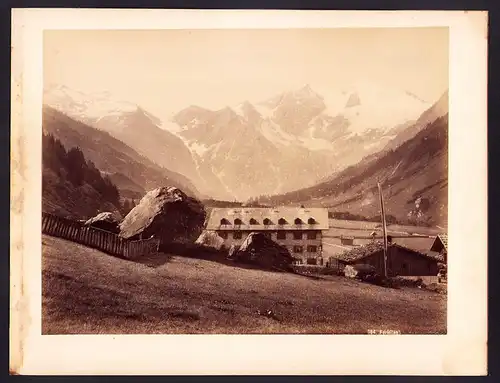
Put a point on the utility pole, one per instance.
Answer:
(384, 227)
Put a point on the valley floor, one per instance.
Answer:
(86, 291)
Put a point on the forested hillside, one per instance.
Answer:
(132, 173)
(71, 185)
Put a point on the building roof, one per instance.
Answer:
(281, 218)
(444, 240)
(361, 252)
(420, 244)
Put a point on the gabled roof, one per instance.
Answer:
(422, 244)
(444, 240)
(440, 240)
(361, 252)
(311, 218)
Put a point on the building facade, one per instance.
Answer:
(300, 230)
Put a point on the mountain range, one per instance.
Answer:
(290, 141)
(412, 169)
(131, 172)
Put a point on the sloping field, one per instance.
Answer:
(86, 291)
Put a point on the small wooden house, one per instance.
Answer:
(347, 240)
(400, 260)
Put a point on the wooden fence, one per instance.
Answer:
(102, 240)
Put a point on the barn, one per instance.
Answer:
(401, 261)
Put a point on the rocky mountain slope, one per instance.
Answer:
(132, 173)
(414, 175)
(295, 139)
(287, 142)
(126, 122)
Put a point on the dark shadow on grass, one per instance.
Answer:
(195, 251)
(154, 260)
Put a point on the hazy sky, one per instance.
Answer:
(167, 70)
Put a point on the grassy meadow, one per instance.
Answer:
(88, 292)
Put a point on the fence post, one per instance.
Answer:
(108, 243)
(56, 227)
(44, 223)
(101, 240)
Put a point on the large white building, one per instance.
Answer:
(300, 230)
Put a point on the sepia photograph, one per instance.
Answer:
(245, 181)
(251, 192)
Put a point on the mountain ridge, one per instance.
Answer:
(414, 176)
(111, 155)
(298, 137)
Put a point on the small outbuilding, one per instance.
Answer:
(401, 261)
(347, 240)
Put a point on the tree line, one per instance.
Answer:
(72, 166)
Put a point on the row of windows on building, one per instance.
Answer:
(266, 221)
(310, 249)
(280, 235)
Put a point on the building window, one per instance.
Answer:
(298, 249)
(311, 221)
(311, 261)
(297, 235)
(282, 221)
(253, 221)
(224, 221)
(298, 221)
(237, 235)
(281, 235)
(267, 221)
(223, 235)
(311, 235)
(237, 221)
(312, 249)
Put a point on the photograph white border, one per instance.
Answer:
(462, 351)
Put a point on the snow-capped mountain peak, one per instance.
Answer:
(87, 105)
(306, 92)
(285, 142)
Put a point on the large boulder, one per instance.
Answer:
(260, 250)
(105, 221)
(210, 239)
(166, 213)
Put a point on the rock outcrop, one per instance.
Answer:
(165, 213)
(260, 250)
(105, 221)
(211, 240)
